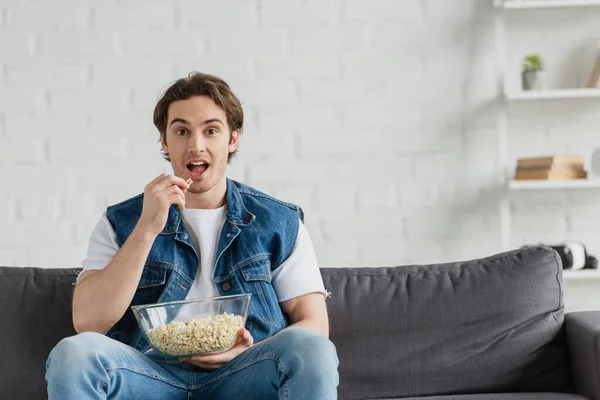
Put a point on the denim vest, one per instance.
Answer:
(258, 235)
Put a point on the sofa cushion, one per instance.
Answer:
(482, 326)
(503, 396)
(35, 314)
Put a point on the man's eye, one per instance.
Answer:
(212, 131)
(180, 132)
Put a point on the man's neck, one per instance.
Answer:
(214, 198)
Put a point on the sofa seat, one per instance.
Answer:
(501, 396)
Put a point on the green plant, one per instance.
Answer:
(533, 63)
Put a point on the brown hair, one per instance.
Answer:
(198, 84)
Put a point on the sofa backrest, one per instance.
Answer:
(35, 314)
(488, 325)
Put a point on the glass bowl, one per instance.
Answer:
(191, 327)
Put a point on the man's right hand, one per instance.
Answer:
(159, 194)
(118, 281)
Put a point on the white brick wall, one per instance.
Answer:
(377, 117)
(305, 13)
(40, 16)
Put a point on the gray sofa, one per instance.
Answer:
(492, 328)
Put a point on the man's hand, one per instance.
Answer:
(214, 361)
(159, 194)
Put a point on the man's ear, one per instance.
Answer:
(234, 141)
(163, 143)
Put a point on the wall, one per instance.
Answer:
(377, 117)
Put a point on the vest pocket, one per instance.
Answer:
(151, 285)
(264, 314)
(257, 271)
(152, 275)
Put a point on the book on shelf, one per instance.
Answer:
(557, 167)
(557, 161)
(549, 174)
(594, 81)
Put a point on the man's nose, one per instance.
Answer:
(198, 143)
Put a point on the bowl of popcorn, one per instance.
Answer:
(192, 327)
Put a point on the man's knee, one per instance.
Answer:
(306, 348)
(78, 348)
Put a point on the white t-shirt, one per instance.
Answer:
(207, 225)
(298, 275)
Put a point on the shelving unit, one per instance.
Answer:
(555, 185)
(510, 96)
(534, 4)
(554, 94)
(585, 274)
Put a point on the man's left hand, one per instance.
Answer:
(214, 361)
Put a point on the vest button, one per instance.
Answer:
(226, 286)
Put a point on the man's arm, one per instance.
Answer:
(299, 286)
(101, 297)
(308, 311)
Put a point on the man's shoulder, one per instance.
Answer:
(131, 205)
(250, 194)
(132, 200)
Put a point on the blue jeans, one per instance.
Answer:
(295, 363)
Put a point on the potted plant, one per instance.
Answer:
(533, 70)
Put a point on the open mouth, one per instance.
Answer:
(197, 168)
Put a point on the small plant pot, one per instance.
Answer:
(533, 80)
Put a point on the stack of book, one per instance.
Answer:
(552, 167)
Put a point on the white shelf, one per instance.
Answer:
(513, 98)
(555, 184)
(537, 4)
(581, 275)
(554, 94)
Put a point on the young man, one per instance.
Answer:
(181, 241)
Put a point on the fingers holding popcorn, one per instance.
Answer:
(159, 195)
(189, 181)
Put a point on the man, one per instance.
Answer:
(181, 241)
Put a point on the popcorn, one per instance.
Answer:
(189, 181)
(197, 336)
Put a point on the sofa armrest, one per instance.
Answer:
(583, 337)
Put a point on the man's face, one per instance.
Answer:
(198, 142)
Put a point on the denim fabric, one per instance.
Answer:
(258, 235)
(296, 363)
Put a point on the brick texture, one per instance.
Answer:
(377, 117)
